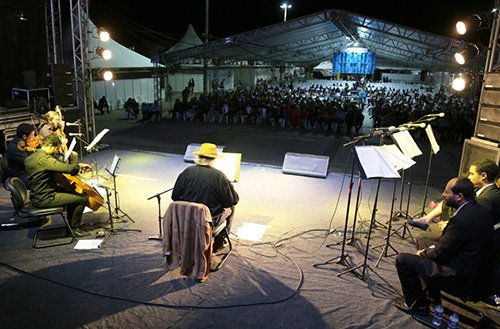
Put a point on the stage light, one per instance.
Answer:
(473, 22)
(467, 54)
(103, 53)
(107, 75)
(103, 34)
(462, 82)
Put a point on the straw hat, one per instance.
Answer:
(208, 150)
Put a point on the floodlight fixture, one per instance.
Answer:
(103, 53)
(285, 6)
(471, 23)
(103, 34)
(107, 75)
(467, 54)
(462, 82)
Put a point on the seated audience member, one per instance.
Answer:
(461, 255)
(103, 105)
(482, 174)
(204, 184)
(17, 151)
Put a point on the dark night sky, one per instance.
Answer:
(150, 24)
(171, 18)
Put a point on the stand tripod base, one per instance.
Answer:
(155, 237)
(340, 260)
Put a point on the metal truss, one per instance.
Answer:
(53, 34)
(81, 64)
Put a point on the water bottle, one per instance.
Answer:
(438, 315)
(453, 323)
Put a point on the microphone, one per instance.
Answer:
(75, 134)
(413, 125)
(435, 115)
(76, 123)
(390, 129)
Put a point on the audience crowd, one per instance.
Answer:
(332, 106)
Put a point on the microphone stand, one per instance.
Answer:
(158, 197)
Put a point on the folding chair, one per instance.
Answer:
(23, 209)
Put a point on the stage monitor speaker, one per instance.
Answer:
(189, 156)
(305, 165)
(476, 149)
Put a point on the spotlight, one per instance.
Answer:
(467, 54)
(107, 75)
(103, 34)
(103, 53)
(471, 23)
(463, 81)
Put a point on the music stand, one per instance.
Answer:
(112, 169)
(372, 164)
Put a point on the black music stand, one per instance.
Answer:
(158, 197)
(342, 259)
(371, 164)
(112, 169)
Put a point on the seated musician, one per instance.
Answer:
(42, 168)
(18, 149)
(207, 185)
(482, 174)
(53, 123)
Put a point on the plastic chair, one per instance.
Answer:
(4, 171)
(23, 209)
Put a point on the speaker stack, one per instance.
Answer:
(63, 85)
(488, 125)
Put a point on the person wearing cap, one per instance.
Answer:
(205, 184)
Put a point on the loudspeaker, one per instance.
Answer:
(305, 164)
(63, 85)
(488, 125)
(189, 156)
(476, 149)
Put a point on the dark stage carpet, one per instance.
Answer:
(282, 227)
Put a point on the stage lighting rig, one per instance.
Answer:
(103, 34)
(462, 82)
(103, 53)
(467, 54)
(474, 22)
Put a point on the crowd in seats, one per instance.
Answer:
(332, 106)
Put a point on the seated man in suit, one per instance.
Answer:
(482, 174)
(205, 184)
(461, 255)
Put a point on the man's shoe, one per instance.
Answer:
(79, 233)
(421, 224)
(417, 309)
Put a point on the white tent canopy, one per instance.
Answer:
(188, 40)
(122, 57)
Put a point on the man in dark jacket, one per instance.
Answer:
(17, 151)
(205, 184)
(42, 168)
(462, 252)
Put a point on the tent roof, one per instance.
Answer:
(309, 40)
(122, 57)
(189, 39)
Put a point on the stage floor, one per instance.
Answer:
(282, 227)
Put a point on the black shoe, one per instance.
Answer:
(417, 309)
(79, 233)
(419, 224)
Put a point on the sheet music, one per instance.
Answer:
(406, 143)
(70, 149)
(373, 163)
(97, 139)
(432, 139)
(396, 157)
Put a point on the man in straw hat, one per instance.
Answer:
(205, 184)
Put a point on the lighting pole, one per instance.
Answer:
(285, 6)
